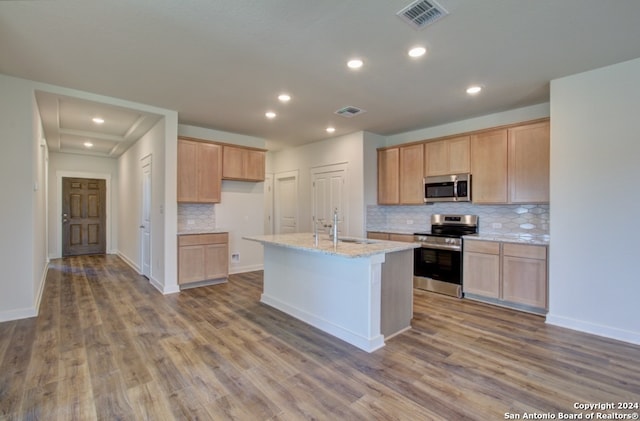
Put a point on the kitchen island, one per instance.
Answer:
(358, 290)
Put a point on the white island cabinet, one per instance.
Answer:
(359, 290)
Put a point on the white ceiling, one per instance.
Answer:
(221, 64)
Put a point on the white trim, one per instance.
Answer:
(26, 313)
(248, 268)
(344, 168)
(144, 161)
(23, 313)
(276, 196)
(129, 262)
(43, 280)
(81, 174)
(595, 329)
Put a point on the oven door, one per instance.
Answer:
(438, 270)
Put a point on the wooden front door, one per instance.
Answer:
(83, 216)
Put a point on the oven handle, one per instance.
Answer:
(441, 247)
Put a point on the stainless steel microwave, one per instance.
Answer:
(447, 188)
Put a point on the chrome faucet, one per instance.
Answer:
(334, 228)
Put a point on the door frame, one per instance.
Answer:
(337, 167)
(276, 202)
(81, 174)
(147, 160)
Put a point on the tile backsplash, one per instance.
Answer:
(499, 219)
(196, 216)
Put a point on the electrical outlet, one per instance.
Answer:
(496, 225)
(235, 257)
(191, 222)
(409, 221)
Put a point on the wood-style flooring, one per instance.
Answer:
(108, 346)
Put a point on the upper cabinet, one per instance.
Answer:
(511, 165)
(411, 170)
(489, 166)
(400, 172)
(242, 163)
(508, 165)
(388, 176)
(199, 171)
(448, 156)
(529, 163)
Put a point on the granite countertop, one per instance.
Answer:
(201, 231)
(533, 239)
(360, 248)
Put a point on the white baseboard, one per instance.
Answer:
(129, 262)
(26, 313)
(17, 314)
(243, 269)
(595, 329)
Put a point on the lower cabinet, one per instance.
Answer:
(404, 238)
(203, 257)
(509, 274)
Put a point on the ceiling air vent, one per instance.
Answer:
(422, 13)
(349, 111)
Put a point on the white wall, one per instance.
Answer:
(484, 122)
(23, 184)
(370, 166)
(595, 163)
(342, 149)
(241, 207)
(70, 165)
(129, 209)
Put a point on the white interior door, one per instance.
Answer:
(329, 187)
(286, 202)
(145, 220)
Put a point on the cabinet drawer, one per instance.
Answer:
(524, 250)
(405, 238)
(200, 239)
(377, 235)
(488, 247)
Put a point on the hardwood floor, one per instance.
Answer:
(107, 345)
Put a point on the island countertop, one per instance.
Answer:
(346, 247)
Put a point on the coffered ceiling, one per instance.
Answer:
(222, 64)
(69, 125)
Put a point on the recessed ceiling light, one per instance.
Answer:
(331, 129)
(284, 97)
(98, 120)
(88, 145)
(472, 90)
(270, 114)
(417, 52)
(356, 63)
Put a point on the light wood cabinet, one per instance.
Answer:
(509, 274)
(389, 236)
(245, 164)
(524, 274)
(529, 163)
(481, 268)
(388, 176)
(203, 257)
(448, 156)
(411, 174)
(489, 166)
(199, 172)
(400, 175)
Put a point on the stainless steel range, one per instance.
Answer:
(438, 262)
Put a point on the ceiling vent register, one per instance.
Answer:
(422, 13)
(349, 111)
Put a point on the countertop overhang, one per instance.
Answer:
(347, 247)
